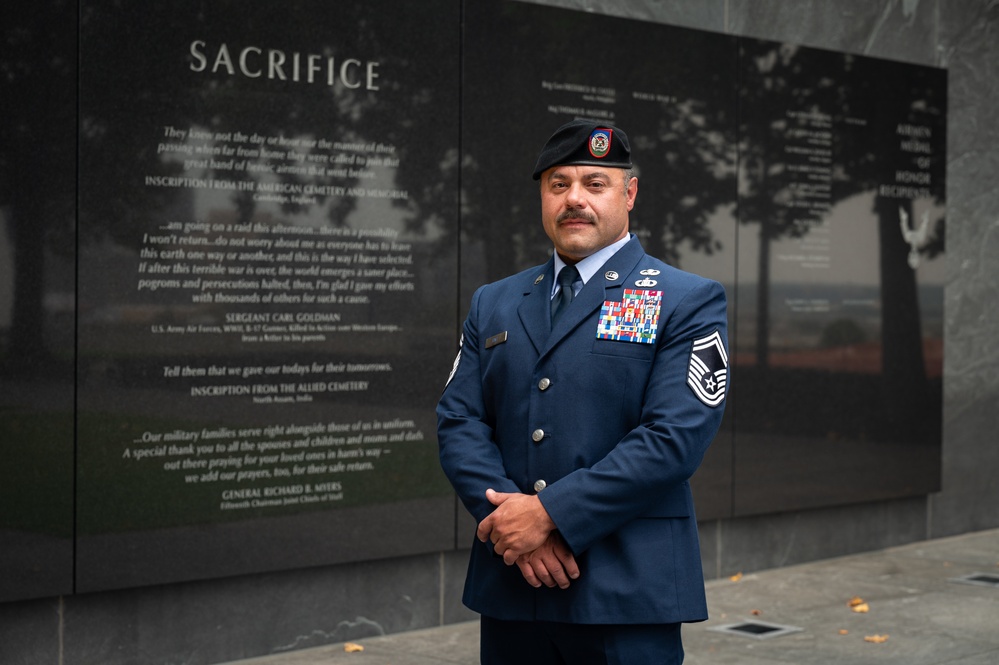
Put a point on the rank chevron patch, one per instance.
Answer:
(707, 373)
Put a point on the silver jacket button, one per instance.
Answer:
(540, 485)
(544, 383)
(537, 435)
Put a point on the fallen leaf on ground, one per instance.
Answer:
(736, 577)
(350, 647)
(876, 639)
(856, 600)
(863, 608)
(755, 613)
(844, 631)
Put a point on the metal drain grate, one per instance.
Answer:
(979, 579)
(760, 630)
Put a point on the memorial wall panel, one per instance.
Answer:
(839, 345)
(267, 212)
(37, 299)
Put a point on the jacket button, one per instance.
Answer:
(544, 383)
(539, 485)
(537, 435)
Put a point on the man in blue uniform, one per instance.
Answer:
(585, 393)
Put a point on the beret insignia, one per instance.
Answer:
(600, 142)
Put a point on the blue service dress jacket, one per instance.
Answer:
(613, 410)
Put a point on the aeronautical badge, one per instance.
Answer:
(707, 374)
(600, 141)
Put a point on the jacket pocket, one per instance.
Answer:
(675, 503)
(633, 350)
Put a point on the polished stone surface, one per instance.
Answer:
(884, 28)
(970, 51)
(959, 36)
(785, 539)
(28, 632)
(700, 14)
(254, 498)
(211, 621)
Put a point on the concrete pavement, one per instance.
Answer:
(928, 603)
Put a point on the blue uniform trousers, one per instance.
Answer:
(556, 643)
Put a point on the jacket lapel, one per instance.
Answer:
(535, 309)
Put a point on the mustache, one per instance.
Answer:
(575, 214)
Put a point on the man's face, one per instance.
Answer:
(585, 208)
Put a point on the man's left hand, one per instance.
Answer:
(552, 564)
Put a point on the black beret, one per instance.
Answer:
(585, 142)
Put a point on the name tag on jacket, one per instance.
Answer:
(496, 339)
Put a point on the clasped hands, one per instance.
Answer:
(523, 533)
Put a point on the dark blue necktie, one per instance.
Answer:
(566, 277)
